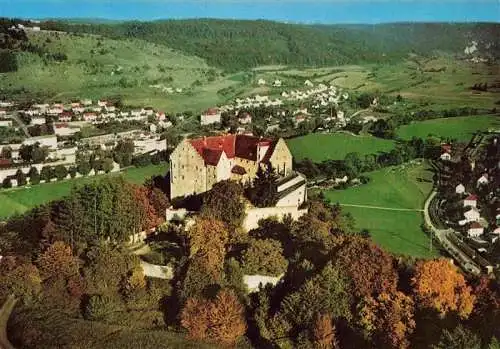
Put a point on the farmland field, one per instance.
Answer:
(391, 188)
(460, 128)
(22, 199)
(335, 146)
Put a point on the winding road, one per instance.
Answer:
(5, 312)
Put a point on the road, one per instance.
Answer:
(5, 312)
(383, 208)
(442, 235)
(21, 124)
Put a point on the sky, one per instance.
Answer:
(312, 11)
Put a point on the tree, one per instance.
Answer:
(25, 152)
(20, 177)
(207, 241)
(219, 321)
(264, 257)
(387, 319)
(19, 277)
(158, 200)
(353, 164)
(99, 307)
(439, 285)
(6, 152)
(264, 190)
(486, 314)
(224, 202)
(107, 165)
(368, 266)
(57, 262)
(324, 333)
(84, 168)
(39, 154)
(7, 183)
(47, 173)
(60, 172)
(459, 338)
(72, 171)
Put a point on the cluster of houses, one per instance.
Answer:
(95, 113)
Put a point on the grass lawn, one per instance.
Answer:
(22, 199)
(460, 128)
(395, 187)
(335, 146)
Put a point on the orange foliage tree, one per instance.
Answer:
(146, 211)
(58, 262)
(369, 267)
(440, 286)
(324, 333)
(207, 242)
(486, 314)
(388, 319)
(219, 321)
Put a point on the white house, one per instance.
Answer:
(38, 121)
(3, 112)
(445, 157)
(261, 82)
(460, 189)
(102, 103)
(277, 83)
(244, 118)
(483, 180)
(470, 200)
(475, 230)
(6, 123)
(86, 102)
(472, 215)
(308, 83)
(211, 116)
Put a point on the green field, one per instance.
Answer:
(460, 128)
(391, 188)
(335, 146)
(22, 199)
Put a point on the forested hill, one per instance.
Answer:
(237, 44)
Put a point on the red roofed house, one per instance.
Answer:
(470, 200)
(475, 229)
(197, 164)
(211, 116)
(445, 152)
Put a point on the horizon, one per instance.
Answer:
(287, 11)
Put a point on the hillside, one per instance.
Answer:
(236, 45)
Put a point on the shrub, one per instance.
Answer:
(99, 307)
(264, 257)
(7, 183)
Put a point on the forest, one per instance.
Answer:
(236, 45)
(338, 289)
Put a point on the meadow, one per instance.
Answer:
(334, 146)
(460, 128)
(19, 200)
(391, 189)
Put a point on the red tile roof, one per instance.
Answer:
(241, 146)
(212, 111)
(446, 148)
(471, 197)
(475, 225)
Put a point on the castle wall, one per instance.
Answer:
(187, 171)
(254, 215)
(281, 159)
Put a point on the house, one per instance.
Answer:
(6, 123)
(308, 83)
(445, 156)
(475, 229)
(86, 102)
(472, 215)
(244, 118)
(460, 189)
(496, 231)
(160, 116)
(63, 129)
(211, 116)
(89, 117)
(483, 180)
(291, 190)
(197, 164)
(65, 117)
(299, 118)
(470, 200)
(3, 112)
(277, 83)
(261, 82)
(38, 121)
(102, 103)
(110, 108)
(48, 141)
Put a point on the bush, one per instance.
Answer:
(7, 183)
(60, 172)
(265, 257)
(100, 307)
(84, 168)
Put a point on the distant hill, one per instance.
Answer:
(236, 44)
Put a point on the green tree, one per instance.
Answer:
(39, 154)
(353, 164)
(60, 172)
(25, 152)
(7, 183)
(19, 277)
(6, 152)
(20, 177)
(99, 307)
(264, 257)
(84, 168)
(264, 190)
(458, 338)
(34, 175)
(107, 165)
(224, 202)
(47, 173)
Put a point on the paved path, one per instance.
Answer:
(384, 208)
(5, 312)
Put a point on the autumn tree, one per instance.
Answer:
(439, 285)
(19, 277)
(219, 321)
(368, 266)
(224, 202)
(265, 257)
(486, 314)
(387, 319)
(57, 262)
(324, 333)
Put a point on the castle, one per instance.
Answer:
(197, 164)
